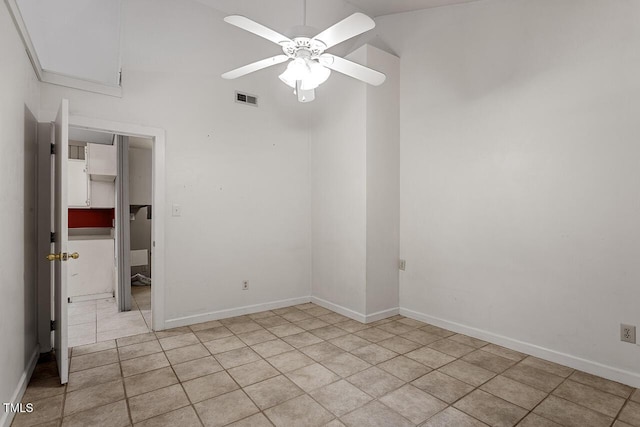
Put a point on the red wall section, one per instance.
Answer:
(82, 218)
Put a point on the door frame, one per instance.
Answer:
(157, 200)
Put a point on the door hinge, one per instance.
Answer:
(52, 325)
(52, 238)
(120, 77)
(53, 149)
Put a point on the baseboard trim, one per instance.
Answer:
(7, 417)
(379, 315)
(595, 368)
(232, 312)
(339, 309)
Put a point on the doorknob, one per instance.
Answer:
(74, 255)
(52, 257)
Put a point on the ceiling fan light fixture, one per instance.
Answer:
(310, 73)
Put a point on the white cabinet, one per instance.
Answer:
(102, 162)
(92, 275)
(103, 194)
(78, 184)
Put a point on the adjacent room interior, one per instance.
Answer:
(320, 212)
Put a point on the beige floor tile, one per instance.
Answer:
(124, 331)
(569, 414)
(334, 423)
(290, 361)
(375, 334)
(157, 402)
(40, 388)
(272, 321)
(374, 354)
(432, 329)
(404, 368)
(351, 326)
(318, 311)
(333, 318)
(138, 350)
(225, 409)
(256, 420)
(93, 376)
(93, 396)
(533, 377)
(209, 386)
(261, 315)
(514, 392)
(300, 411)
(452, 348)
(185, 354)
(271, 348)
(421, 337)
(205, 325)
(612, 387)
(295, 316)
(321, 351)
(44, 410)
(631, 414)
(244, 327)
(430, 357)
(178, 341)
(273, 391)
(467, 372)
(533, 420)
(442, 386)
(550, 367)
(399, 345)
(346, 364)
(93, 360)
(329, 332)
(375, 414)
(240, 356)
(490, 409)
(504, 352)
(636, 396)
(584, 395)
(223, 345)
(489, 361)
(413, 403)
(302, 339)
(235, 320)
(93, 348)
(256, 337)
(285, 330)
(340, 397)
(183, 417)
(136, 339)
(149, 381)
(253, 372)
(112, 415)
(411, 322)
(619, 423)
(143, 364)
(375, 381)
(197, 368)
(467, 340)
(173, 332)
(451, 417)
(312, 377)
(396, 328)
(349, 342)
(311, 324)
(213, 333)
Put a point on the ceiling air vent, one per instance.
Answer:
(245, 98)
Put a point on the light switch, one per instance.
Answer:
(176, 210)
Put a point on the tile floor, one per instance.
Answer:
(99, 320)
(308, 366)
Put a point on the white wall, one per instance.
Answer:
(355, 190)
(519, 174)
(239, 173)
(18, 124)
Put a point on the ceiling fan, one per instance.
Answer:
(309, 65)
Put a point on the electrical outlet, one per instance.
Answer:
(628, 333)
(245, 285)
(402, 265)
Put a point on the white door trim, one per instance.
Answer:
(158, 201)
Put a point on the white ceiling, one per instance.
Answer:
(385, 7)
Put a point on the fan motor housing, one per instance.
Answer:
(304, 47)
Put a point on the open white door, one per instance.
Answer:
(61, 230)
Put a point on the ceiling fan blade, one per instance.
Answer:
(257, 29)
(352, 69)
(350, 26)
(255, 66)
